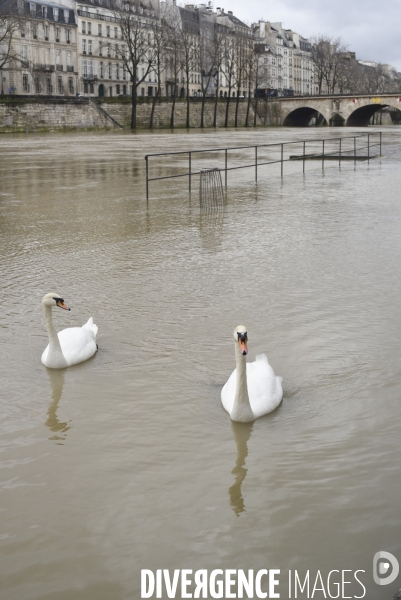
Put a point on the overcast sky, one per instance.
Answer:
(370, 28)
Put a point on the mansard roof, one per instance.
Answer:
(37, 12)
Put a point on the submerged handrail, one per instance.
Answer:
(324, 154)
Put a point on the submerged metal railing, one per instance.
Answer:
(341, 152)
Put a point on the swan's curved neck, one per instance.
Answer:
(241, 410)
(55, 355)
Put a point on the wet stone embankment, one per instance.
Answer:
(24, 114)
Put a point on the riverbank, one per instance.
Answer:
(27, 114)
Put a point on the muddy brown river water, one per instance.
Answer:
(128, 461)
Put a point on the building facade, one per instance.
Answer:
(45, 51)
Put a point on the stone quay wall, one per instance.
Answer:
(27, 114)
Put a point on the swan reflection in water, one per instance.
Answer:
(56, 377)
(242, 433)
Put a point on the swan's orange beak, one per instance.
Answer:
(243, 346)
(61, 304)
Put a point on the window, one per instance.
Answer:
(68, 58)
(58, 57)
(60, 85)
(48, 85)
(66, 16)
(25, 84)
(57, 34)
(47, 56)
(83, 46)
(108, 30)
(89, 28)
(100, 49)
(91, 88)
(101, 70)
(117, 89)
(32, 8)
(115, 32)
(108, 51)
(85, 87)
(55, 14)
(46, 30)
(68, 36)
(99, 30)
(117, 72)
(22, 29)
(44, 12)
(35, 31)
(37, 85)
(83, 27)
(70, 85)
(110, 91)
(109, 69)
(124, 89)
(90, 46)
(23, 52)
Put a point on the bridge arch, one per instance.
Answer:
(361, 116)
(305, 116)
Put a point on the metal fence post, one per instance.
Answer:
(147, 178)
(256, 163)
(190, 167)
(282, 154)
(225, 167)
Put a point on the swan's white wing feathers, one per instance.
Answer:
(90, 325)
(77, 344)
(264, 387)
(228, 392)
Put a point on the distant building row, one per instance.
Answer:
(76, 47)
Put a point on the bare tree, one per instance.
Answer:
(228, 68)
(252, 75)
(159, 45)
(219, 48)
(171, 24)
(189, 41)
(328, 60)
(240, 69)
(136, 50)
(9, 25)
(207, 62)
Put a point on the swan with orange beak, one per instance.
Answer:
(252, 390)
(70, 346)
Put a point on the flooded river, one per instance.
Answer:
(128, 461)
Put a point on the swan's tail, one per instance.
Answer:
(91, 326)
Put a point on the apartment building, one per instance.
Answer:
(45, 51)
(284, 59)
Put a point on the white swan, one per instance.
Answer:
(70, 346)
(252, 390)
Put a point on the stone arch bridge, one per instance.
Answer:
(336, 111)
